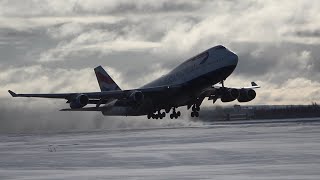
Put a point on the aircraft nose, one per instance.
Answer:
(234, 59)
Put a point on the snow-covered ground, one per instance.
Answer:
(276, 150)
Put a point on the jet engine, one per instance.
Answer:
(230, 95)
(246, 95)
(79, 101)
(136, 97)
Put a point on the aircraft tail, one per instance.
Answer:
(106, 83)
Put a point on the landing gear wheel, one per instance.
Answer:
(157, 115)
(175, 114)
(194, 108)
(198, 108)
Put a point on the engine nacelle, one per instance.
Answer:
(246, 95)
(230, 95)
(79, 101)
(137, 97)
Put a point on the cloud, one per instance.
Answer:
(78, 48)
(54, 47)
(41, 79)
(84, 7)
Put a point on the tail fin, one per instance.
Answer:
(106, 83)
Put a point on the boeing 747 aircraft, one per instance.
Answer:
(186, 85)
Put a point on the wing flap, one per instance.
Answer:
(84, 109)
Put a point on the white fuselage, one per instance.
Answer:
(191, 69)
(199, 72)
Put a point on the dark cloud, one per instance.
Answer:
(22, 48)
(85, 7)
(140, 7)
(308, 33)
(278, 62)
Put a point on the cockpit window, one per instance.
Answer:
(201, 57)
(219, 47)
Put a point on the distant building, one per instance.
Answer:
(239, 113)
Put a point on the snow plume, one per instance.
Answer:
(42, 116)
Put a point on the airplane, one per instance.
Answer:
(199, 77)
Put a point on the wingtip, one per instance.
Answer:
(13, 94)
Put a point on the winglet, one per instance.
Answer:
(12, 93)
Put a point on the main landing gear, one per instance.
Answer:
(175, 114)
(195, 111)
(157, 115)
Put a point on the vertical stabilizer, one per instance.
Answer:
(106, 83)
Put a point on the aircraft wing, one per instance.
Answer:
(84, 109)
(91, 95)
(116, 94)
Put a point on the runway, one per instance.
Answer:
(228, 150)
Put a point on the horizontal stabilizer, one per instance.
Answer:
(254, 85)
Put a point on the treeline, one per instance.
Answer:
(312, 110)
(261, 112)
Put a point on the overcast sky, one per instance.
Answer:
(53, 46)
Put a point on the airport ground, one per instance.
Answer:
(285, 149)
